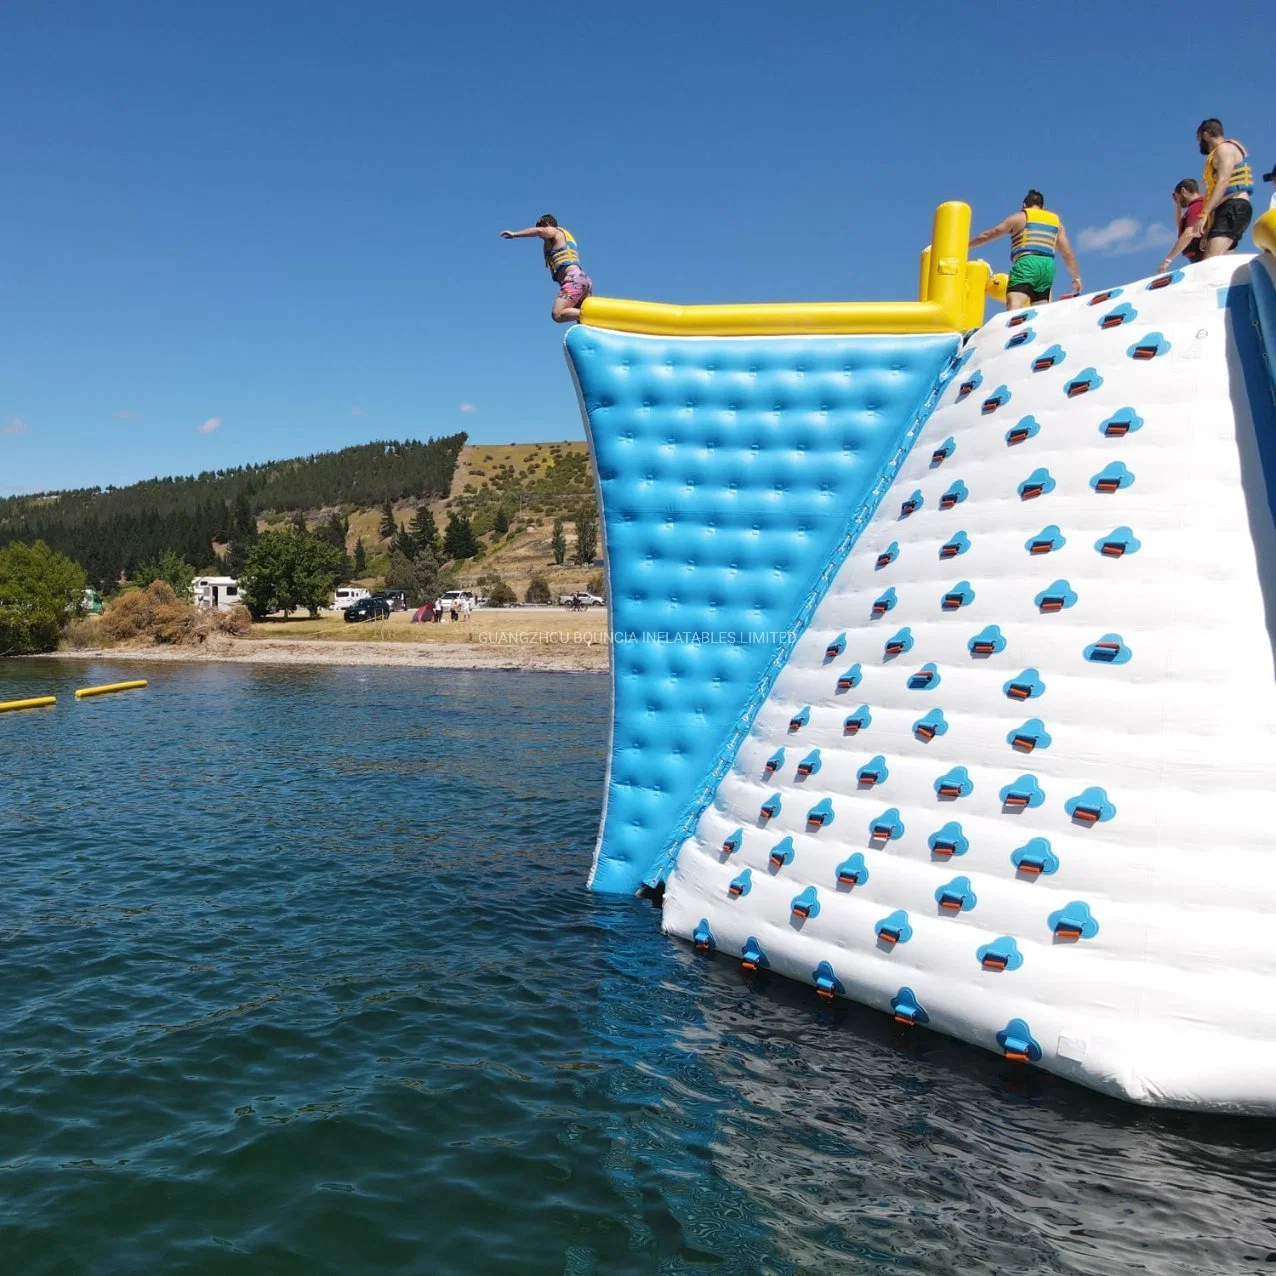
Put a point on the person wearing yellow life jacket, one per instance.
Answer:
(1036, 236)
(1229, 183)
(562, 259)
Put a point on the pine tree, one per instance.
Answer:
(558, 542)
(501, 523)
(388, 527)
(360, 559)
(425, 531)
(586, 538)
(299, 520)
(459, 540)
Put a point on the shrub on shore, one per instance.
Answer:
(158, 615)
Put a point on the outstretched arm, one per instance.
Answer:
(1189, 233)
(530, 232)
(1069, 259)
(1007, 227)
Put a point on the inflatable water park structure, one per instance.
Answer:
(943, 656)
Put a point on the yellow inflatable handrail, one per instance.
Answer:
(109, 688)
(947, 302)
(37, 702)
(1265, 232)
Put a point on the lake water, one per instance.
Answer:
(298, 974)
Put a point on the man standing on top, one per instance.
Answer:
(563, 261)
(1188, 202)
(1036, 234)
(1229, 183)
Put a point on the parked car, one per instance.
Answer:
(348, 594)
(580, 600)
(368, 609)
(455, 596)
(397, 598)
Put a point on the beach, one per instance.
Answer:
(540, 640)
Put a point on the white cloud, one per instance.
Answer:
(14, 425)
(126, 414)
(1125, 235)
(469, 407)
(358, 411)
(207, 427)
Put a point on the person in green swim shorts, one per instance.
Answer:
(1036, 235)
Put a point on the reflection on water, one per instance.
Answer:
(297, 974)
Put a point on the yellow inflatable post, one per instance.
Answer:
(109, 688)
(37, 702)
(997, 285)
(1265, 232)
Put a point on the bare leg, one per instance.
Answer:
(1217, 246)
(564, 311)
(1016, 300)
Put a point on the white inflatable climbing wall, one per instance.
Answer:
(1015, 782)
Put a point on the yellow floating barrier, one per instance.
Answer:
(109, 688)
(38, 702)
(1265, 231)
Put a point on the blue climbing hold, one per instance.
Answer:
(857, 721)
(751, 955)
(800, 718)
(851, 678)
(912, 504)
(958, 543)
(1048, 539)
(1122, 422)
(956, 896)
(1073, 922)
(872, 773)
(732, 842)
(960, 595)
(1149, 347)
(1017, 1043)
(1022, 431)
(771, 807)
(1089, 807)
(950, 840)
(894, 928)
(835, 648)
(774, 763)
(782, 853)
(884, 603)
(1021, 317)
(1022, 794)
(1112, 478)
(703, 937)
(969, 386)
(1108, 650)
(1057, 596)
(954, 496)
(741, 885)
(943, 451)
(1032, 735)
(999, 397)
(954, 784)
(809, 764)
(805, 904)
(820, 815)
(1118, 542)
(929, 725)
(898, 643)
(1164, 281)
(1083, 383)
(1021, 338)
(887, 827)
(987, 642)
(1124, 313)
(907, 1009)
(1026, 686)
(852, 871)
(827, 984)
(1100, 297)
(1002, 954)
(1048, 358)
(888, 555)
(1035, 858)
(1039, 483)
(924, 678)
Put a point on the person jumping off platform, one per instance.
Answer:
(563, 261)
(1229, 183)
(1036, 234)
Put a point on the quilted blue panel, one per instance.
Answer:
(729, 469)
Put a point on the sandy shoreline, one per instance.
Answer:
(434, 655)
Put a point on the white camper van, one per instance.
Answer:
(218, 593)
(347, 595)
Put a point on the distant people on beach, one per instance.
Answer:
(438, 611)
(1036, 235)
(1229, 183)
(1188, 202)
(562, 258)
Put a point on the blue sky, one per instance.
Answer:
(236, 231)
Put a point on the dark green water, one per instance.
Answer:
(298, 974)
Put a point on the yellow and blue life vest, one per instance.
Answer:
(560, 258)
(1241, 181)
(1038, 235)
